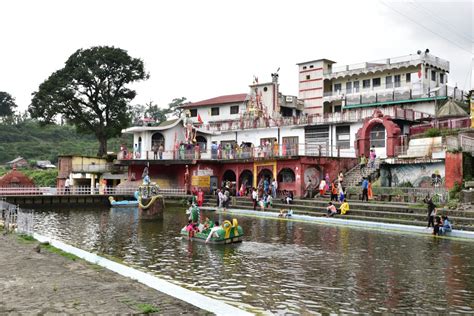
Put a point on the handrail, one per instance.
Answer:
(81, 190)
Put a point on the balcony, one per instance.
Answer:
(386, 64)
(368, 96)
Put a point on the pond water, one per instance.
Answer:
(283, 267)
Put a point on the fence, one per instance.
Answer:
(445, 124)
(81, 190)
(195, 152)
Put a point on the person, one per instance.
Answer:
(186, 180)
(226, 198)
(221, 198)
(200, 197)
(274, 188)
(365, 189)
(213, 232)
(242, 190)
(254, 198)
(370, 194)
(197, 151)
(155, 151)
(213, 150)
(322, 187)
(328, 182)
(334, 191)
(372, 157)
(308, 191)
(191, 228)
(67, 186)
(431, 211)
(331, 210)
(218, 197)
(160, 151)
(344, 208)
(437, 225)
(266, 185)
(447, 227)
(363, 161)
(340, 189)
(340, 177)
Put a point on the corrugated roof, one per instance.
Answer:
(451, 109)
(224, 99)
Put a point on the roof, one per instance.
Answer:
(451, 109)
(224, 99)
(162, 127)
(16, 160)
(168, 122)
(312, 61)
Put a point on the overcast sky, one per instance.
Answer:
(202, 49)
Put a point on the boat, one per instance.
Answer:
(124, 203)
(230, 233)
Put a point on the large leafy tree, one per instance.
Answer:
(7, 104)
(91, 92)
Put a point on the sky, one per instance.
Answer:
(207, 48)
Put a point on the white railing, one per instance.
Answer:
(81, 190)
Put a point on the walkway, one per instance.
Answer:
(45, 282)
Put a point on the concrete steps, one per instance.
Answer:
(389, 212)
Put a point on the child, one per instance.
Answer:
(344, 207)
(331, 209)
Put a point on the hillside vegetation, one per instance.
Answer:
(34, 142)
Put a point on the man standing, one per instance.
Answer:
(365, 189)
(67, 186)
(160, 151)
(274, 188)
(155, 151)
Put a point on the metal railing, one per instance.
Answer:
(189, 152)
(81, 190)
(346, 116)
(413, 151)
(464, 122)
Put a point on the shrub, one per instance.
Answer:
(433, 132)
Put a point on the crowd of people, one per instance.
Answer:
(440, 224)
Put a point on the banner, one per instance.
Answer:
(472, 112)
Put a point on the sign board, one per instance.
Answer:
(201, 181)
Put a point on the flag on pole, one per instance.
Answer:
(199, 119)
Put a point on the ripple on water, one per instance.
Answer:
(285, 268)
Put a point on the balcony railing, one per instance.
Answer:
(81, 190)
(410, 59)
(464, 122)
(242, 153)
(371, 95)
(347, 116)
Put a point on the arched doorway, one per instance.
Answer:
(286, 175)
(157, 139)
(246, 178)
(377, 139)
(264, 174)
(229, 176)
(202, 142)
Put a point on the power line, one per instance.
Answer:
(445, 22)
(426, 28)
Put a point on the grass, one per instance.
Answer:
(55, 250)
(147, 308)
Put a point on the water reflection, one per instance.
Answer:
(282, 266)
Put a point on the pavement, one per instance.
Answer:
(47, 283)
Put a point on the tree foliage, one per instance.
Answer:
(7, 104)
(91, 92)
(151, 110)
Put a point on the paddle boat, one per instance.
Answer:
(229, 232)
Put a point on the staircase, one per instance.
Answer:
(354, 176)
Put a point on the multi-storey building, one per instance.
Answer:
(341, 112)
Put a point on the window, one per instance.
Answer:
(388, 82)
(397, 79)
(234, 109)
(356, 86)
(308, 77)
(366, 83)
(214, 111)
(441, 78)
(337, 87)
(433, 75)
(348, 87)
(376, 82)
(377, 136)
(408, 77)
(193, 112)
(343, 137)
(310, 66)
(289, 146)
(304, 67)
(426, 73)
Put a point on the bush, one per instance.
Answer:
(433, 132)
(454, 192)
(406, 184)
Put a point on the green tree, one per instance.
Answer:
(90, 92)
(174, 107)
(154, 111)
(7, 104)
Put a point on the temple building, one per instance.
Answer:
(340, 113)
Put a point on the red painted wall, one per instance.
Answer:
(453, 169)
